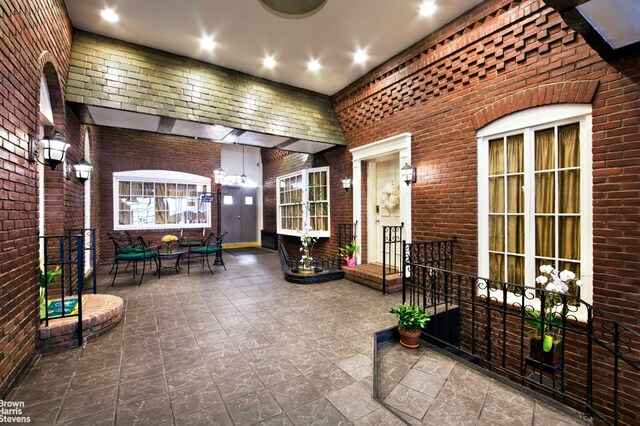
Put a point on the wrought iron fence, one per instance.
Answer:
(573, 352)
(63, 254)
(391, 252)
(90, 253)
(437, 254)
(346, 233)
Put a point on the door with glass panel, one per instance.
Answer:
(239, 214)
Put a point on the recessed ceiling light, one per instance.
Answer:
(313, 65)
(207, 43)
(360, 57)
(268, 62)
(109, 15)
(428, 8)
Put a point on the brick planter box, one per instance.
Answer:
(100, 312)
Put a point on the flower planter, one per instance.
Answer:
(409, 340)
(536, 351)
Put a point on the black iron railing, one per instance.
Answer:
(346, 233)
(89, 245)
(592, 362)
(65, 252)
(436, 254)
(391, 252)
(321, 263)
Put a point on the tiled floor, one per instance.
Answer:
(240, 347)
(428, 387)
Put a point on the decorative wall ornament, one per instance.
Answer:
(390, 196)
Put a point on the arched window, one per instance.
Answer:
(535, 195)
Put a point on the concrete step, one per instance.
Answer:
(370, 275)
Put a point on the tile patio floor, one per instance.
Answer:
(240, 347)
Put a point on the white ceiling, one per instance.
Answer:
(244, 32)
(615, 20)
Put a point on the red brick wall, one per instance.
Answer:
(500, 58)
(35, 38)
(122, 150)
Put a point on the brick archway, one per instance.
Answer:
(49, 69)
(574, 92)
(51, 186)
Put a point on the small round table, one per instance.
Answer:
(175, 254)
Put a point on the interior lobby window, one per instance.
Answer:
(303, 199)
(143, 200)
(535, 194)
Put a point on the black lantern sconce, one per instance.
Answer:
(346, 183)
(54, 148)
(408, 174)
(83, 170)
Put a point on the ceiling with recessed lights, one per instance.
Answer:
(323, 51)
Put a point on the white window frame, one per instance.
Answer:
(157, 176)
(526, 123)
(305, 199)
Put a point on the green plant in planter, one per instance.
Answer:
(348, 253)
(411, 320)
(46, 279)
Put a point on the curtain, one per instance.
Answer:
(160, 203)
(124, 191)
(545, 192)
(569, 192)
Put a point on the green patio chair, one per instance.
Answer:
(212, 245)
(140, 252)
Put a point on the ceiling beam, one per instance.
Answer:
(166, 124)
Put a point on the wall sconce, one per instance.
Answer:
(346, 183)
(83, 170)
(54, 149)
(218, 176)
(408, 174)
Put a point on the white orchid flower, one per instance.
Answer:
(567, 275)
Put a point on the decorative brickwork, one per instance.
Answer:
(114, 74)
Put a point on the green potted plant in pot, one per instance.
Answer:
(411, 320)
(545, 343)
(348, 253)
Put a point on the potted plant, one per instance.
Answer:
(348, 253)
(544, 342)
(411, 320)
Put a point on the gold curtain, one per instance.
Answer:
(569, 188)
(515, 209)
(160, 203)
(545, 193)
(496, 209)
(124, 215)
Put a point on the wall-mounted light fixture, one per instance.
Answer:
(218, 176)
(408, 174)
(346, 183)
(83, 170)
(54, 149)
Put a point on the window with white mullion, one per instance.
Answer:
(303, 200)
(553, 219)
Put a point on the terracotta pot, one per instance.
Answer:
(409, 340)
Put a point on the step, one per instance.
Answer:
(370, 275)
